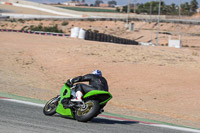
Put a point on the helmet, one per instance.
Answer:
(97, 72)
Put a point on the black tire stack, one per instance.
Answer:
(93, 36)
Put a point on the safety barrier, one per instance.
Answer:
(36, 32)
(93, 36)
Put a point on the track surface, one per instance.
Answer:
(22, 118)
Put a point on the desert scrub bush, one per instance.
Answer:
(64, 23)
(96, 31)
(46, 29)
(36, 28)
(194, 53)
(52, 29)
(23, 28)
(21, 20)
(185, 45)
(12, 20)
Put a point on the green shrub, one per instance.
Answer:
(12, 20)
(36, 28)
(64, 23)
(46, 29)
(24, 28)
(21, 20)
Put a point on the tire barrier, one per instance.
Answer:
(93, 36)
(36, 32)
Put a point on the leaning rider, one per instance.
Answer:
(96, 82)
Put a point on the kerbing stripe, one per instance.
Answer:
(124, 119)
(176, 128)
(4, 97)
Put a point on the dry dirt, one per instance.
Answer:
(158, 83)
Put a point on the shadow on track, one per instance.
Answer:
(109, 121)
(102, 120)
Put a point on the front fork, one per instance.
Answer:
(56, 99)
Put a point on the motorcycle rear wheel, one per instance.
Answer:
(91, 110)
(51, 106)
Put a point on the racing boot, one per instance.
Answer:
(78, 98)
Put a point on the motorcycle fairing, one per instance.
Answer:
(102, 96)
(65, 93)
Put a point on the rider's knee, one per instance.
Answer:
(78, 87)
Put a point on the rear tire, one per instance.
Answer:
(86, 114)
(51, 106)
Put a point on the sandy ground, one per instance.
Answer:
(158, 83)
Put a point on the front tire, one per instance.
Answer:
(91, 110)
(51, 106)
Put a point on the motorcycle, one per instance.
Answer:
(92, 104)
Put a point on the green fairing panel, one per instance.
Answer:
(60, 109)
(98, 92)
(65, 87)
(65, 112)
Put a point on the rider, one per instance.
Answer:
(96, 82)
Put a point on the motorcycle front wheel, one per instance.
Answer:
(51, 106)
(91, 110)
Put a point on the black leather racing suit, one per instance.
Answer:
(95, 83)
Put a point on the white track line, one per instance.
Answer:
(155, 125)
(24, 102)
(177, 128)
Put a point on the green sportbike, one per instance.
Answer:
(91, 106)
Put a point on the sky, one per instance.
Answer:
(119, 2)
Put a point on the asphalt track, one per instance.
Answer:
(23, 118)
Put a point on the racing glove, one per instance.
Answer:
(69, 83)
